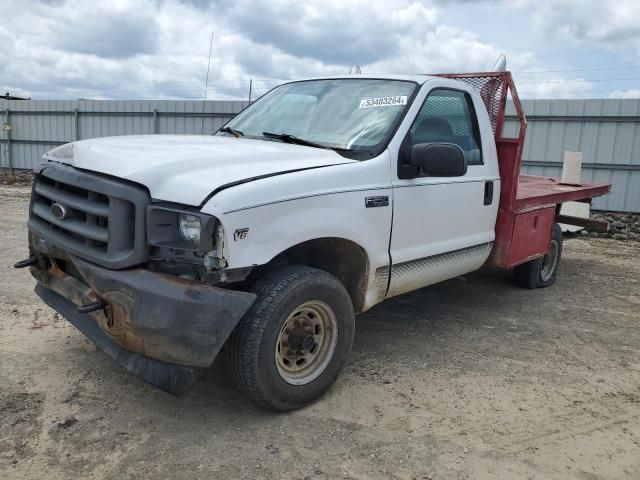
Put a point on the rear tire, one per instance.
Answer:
(292, 343)
(541, 272)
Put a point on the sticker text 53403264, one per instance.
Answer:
(383, 101)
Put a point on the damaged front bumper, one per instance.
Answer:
(159, 327)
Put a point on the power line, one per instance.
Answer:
(575, 92)
(243, 83)
(236, 88)
(576, 80)
(578, 70)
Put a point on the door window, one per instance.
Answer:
(447, 116)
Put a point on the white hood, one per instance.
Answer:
(187, 168)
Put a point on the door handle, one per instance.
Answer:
(488, 193)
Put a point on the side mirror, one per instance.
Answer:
(438, 159)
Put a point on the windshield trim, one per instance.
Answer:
(359, 155)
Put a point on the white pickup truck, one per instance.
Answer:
(319, 200)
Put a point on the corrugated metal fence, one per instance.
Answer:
(39, 125)
(606, 131)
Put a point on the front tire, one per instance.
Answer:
(541, 272)
(292, 343)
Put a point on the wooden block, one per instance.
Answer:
(571, 168)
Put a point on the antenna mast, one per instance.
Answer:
(206, 83)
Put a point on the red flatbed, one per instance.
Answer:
(529, 205)
(539, 191)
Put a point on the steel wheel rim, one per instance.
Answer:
(549, 261)
(313, 322)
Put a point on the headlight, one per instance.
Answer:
(189, 227)
(180, 229)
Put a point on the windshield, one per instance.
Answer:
(353, 114)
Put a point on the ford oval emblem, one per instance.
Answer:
(59, 211)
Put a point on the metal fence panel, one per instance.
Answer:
(606, 131)
(39, 125)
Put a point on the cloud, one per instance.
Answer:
(332, 31)
(630, 93)
(555, 87)
(110, 30)
(595, 21)
(443, 49)
(108, 33)
(159, 48)
(145, 48)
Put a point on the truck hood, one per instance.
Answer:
(188, 168)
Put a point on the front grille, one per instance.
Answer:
(91, 216)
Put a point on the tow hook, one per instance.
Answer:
(27, 262)
(92, 307)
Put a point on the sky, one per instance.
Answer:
(159, 49)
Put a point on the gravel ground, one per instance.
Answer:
(473, 378)
(18, 177)
(622, 226)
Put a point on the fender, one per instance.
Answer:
(351, 201)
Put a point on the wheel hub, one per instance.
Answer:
(306, 342)
(302, 340)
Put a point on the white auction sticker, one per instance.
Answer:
(383, 101)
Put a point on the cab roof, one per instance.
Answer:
(419, 79)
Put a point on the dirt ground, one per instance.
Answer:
(473, 378)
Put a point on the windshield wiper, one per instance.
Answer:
(232, 131)
(288, 138)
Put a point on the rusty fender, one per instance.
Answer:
(159, 327)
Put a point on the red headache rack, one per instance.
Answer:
(529, 205)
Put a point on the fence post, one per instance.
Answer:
(76, 119)
(7, 121)
(155, 121)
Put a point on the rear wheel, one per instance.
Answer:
(292, 343)
(542, 271)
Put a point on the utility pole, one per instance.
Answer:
(250, 86)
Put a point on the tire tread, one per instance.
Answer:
(243, 346)
(527, 275)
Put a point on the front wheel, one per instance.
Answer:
(542, 271)
(292, 343)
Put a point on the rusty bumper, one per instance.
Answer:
(159, 327)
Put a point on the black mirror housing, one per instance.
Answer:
(438, 160)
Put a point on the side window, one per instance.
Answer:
(448, 116)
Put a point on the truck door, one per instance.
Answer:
(444, 226)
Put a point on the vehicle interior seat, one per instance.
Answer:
(432, 129)
(438, 129)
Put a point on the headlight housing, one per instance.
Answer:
(180, 229)
(189, 227)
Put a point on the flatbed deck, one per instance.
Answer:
(536, 192)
